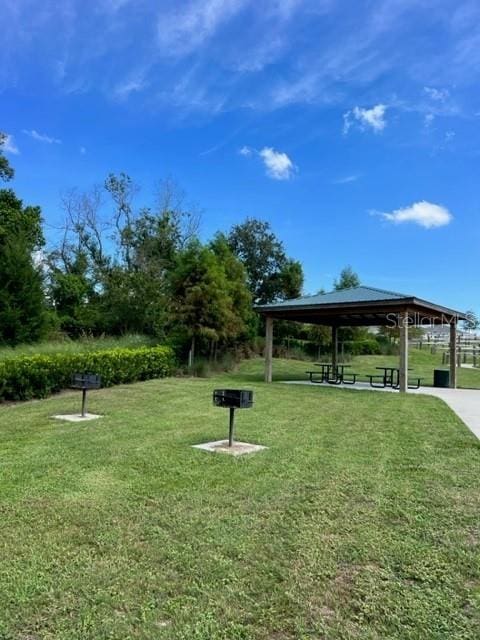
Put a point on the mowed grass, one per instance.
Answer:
(361, 520)
(421, 362)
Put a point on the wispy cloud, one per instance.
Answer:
(278, 164)
(449, 136)
(133, 84)
(347, 179)
(423, 213)
(9, 145)
(438, 95)
(428, 120)
(41, 137)
(217, 55)
(373, 118)
(190, 24)
(245, 151)
(83, 151)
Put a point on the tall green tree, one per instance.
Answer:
(291, 279)
(241, 321)
(472, 323)
(347, 279)
(271, 274)
(23, 315)
(6, 171)
(72, 293)
(203, 300)
(19, 221)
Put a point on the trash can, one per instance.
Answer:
(441, 378)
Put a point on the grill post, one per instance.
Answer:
(231, 427)
(84, 402)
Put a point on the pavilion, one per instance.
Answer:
(363, 306)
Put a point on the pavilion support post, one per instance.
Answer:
(453, 353)
(268, 348)
(334, 348)
(403, 373)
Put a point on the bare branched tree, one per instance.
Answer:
(83, 229)
(122, 190)
(170, 198)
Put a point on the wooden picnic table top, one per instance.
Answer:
(329, 364)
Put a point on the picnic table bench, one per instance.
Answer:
(391, 378)
(332, 374)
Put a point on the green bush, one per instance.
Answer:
(366, 347)
(40, 375)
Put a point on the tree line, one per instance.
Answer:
(119, 268)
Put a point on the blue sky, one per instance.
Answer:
(353, 127)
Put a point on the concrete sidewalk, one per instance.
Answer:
(464, 402)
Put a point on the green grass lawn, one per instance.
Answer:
(422, 363)
(360, 521)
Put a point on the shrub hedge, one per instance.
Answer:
(38, 376)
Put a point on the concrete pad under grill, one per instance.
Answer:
(76, 417)
(238, 448)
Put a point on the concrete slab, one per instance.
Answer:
(238, 448)
(76, 417)
(358, 386)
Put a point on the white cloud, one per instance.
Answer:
(278, 164)
(439, 95)
(373, 118)
(423, 213)
(9, 145)
(41, 137)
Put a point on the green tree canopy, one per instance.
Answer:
(271, 274)
(472, 323)
(6, 171)
(241, 318)
(348, 279)
(22, 302)
(205, 288)
(23, 316)
(19, 221)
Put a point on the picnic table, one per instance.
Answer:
(334, 374)
(389, 378)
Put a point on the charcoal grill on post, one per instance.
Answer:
(232, 399)
(85, 381)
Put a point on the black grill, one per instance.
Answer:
(233, 398)
(84, 382)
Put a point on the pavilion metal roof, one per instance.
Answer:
(355, 294)
(361, 305)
